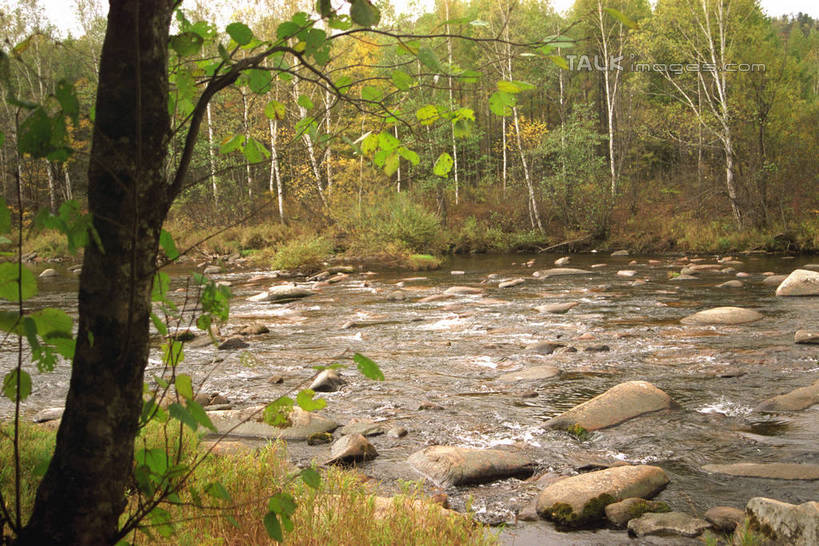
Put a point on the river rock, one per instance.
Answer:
(805, 336)
(365, 428)
(626, 273)
(255, 329)
(563, 261)
(684, 277)
(580, 500)
(463, 291)
(50, 272)
(597, 349)
(48, 414)
(232, 344)
(434, 297)
(811, 267)
(774, 280)
(556, 308)
(351, 448)
(536, 373)
(774, 471)
(302, 425)
(723, 315)
(797, 399)
(783, 523)
(668, 524)
(731, 284)
(512, 282)
(327, 381)
(725, 518)
(446, 466)
(282, 294)
(801, 282)
(559, 271)
(545, 348)
(397, 295)
(620, 513)
(620, 253)
(397, 432)
(212, 270)
(620, 403)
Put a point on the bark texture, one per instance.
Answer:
(82, 495)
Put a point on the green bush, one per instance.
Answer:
(306, 253)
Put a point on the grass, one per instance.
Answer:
(344, 510)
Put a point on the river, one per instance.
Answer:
(442, 359)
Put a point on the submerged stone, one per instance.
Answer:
(668, 524)
(723, 315)
(775, 471)
(797, 399)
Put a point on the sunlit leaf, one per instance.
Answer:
(365, 365)
(501, 103)
(167, 243)
(184, 386)
(370, 93)
(427, 114)
(200, 414)
(180, 413)
(559, 61)
(401, 79)
(305, 102)
(274, 110)
(622, 17)
(260, 81)
(311, 477)
(10, 289)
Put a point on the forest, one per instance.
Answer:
(611, 126)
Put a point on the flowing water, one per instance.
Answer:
(442, 360)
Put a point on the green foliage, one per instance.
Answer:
(578, 432)
(306, 252)
(368, 368)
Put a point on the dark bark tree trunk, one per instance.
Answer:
(82, 495)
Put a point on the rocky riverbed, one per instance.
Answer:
(532, 393)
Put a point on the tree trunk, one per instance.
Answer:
(82, 495)
(275, 175)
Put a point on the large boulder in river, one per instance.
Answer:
(723, 315)
(282, 294)
(581, 500)
(559, 272)
(783, 523)
(797, 399)
(302, 424)
(773, 471)
(619, 403)
(446, 466)
(774, 280)
(801, 282)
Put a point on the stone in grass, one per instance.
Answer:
(620, 513)
(446, 466)
(620, 403)
(668, 524)
(580, 501)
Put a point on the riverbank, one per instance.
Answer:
(411, 238)
(343, 509)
